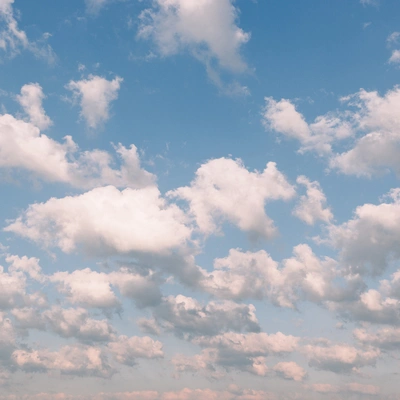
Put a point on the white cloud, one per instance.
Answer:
(69, 360)
(13, 39)
(127, 349)
(282, 117)
(95, 95)
(186, 316)
(23, 147)
(393, 38)
(87, 288)
(206, 28)
(31, 99)
(77, 323)
(395, 57)
(340, 358)
(290, 370)
(385, 338)
(224, 189)
(369, 240)
(256, 275)
(312, 206)
(369, 127)
(106, 221)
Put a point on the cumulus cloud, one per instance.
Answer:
(368, 126)
(187, 317)
(385, 338)
(69, 360)
(369, 240)
(256, 275)
(24, 147)
(282, 117)
(339, 358)
(127, 349)
(31, 99)
(290, 370)
(106, 221)
(207, 29)
(312, 206)
(224, 190)
(95, 96)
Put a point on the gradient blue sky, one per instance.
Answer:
(199, 199)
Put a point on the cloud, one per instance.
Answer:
(94, 6)
(95, 95)
(385, 338)
(96, 289)
(282, 117)
(290, 370)
(23, 147)
(339, 358)
(369, 127)
(312, 206)
(127, 349)
(370, 240)
(207, 29)
(393, 38)
(349, 388)
(244, 275)
(106, 221)
(13, 39)
(187, 317)
(224, 190)
(395, 57)
(31, 99)
(74, 360)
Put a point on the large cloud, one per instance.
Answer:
(370, 121)
(24, 147)
(224, 189)
(371, 239)
(206, 28)
(186, 316)
(256, 275)
(106, 221)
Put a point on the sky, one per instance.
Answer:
(199, 199)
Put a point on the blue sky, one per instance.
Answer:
(199, 199)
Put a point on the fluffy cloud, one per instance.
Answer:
(24, 147)
(256, 275)
(243, 352)
(290, 370)
(312, 206)
(339, 358)
(369, 117)
(386, 338)
(187, 316)
(95, 95)
(224, 189)
(282, 117)
(206, 28)
(127, 349)
(69, 360)
(369, 240)
(106, 221)
(77, 323)
(31, 99)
